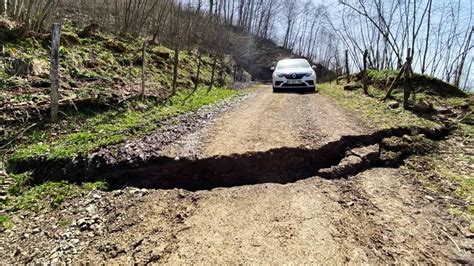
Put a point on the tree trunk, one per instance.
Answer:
(460, 67)
(196, 83)
(423, 63)
(407, 85)
(142, 95)
(56, 35)
(5, 7)
(175, 68)
(176, 49)
(413, 91)
(348, 78)
(364, 73)
(214, 63)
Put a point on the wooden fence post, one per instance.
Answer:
(407, 80)
(235, 73)
(198, 73)
(56, 35)
(213, 72)
(175, 68)
(366, 91)
(143, 70)
(413, 91)
(347, 66)
(392, 86)
(130, 75)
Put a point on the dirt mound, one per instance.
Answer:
(421, 83)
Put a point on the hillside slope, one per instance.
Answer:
(95, 68)
(259, 55)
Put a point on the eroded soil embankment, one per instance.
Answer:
(281, 165)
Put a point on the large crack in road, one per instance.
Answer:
(253, 193)
(346, 156)
(271, 138)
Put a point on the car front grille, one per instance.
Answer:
(294, 76)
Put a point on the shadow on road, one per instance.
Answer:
(281, 165)
(296, 91)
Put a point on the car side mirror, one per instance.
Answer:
(313, 67)
(272, 68)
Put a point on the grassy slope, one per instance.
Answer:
(372, 109)
(114, 126)
(425, 83)
(446, 167)
(104, 68)
(103, 65)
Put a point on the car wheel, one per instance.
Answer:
(275, 89)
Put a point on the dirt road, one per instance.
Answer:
(382, 215)
(274, 120)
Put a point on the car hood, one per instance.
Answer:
(293, 70)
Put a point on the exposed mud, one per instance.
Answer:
(280, 165)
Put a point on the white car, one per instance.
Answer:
(293, 74)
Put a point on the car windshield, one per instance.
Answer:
(292, 63)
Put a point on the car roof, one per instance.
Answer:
(293, 59)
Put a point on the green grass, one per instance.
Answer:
(23, 196)
(63, 223)
(19, 184)
(465, 182)
(5, 222)
(115, 126)
(450, 167)
(372, 109)
(381, 75)
(37, 198)
(455, 181)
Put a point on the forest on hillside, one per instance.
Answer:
(438, 33)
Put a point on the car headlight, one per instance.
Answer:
(279, 75)
(308, 74)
